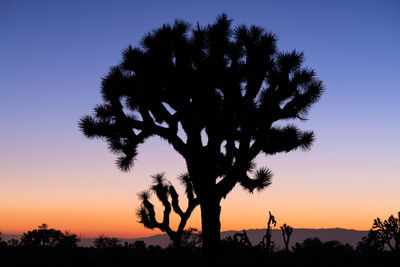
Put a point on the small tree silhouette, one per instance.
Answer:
(242, 239)
(267, 242)
(165, 192)
(45, 237)
(41, 237)
(372, 243)
(286, 233)
(238, 243)
(68, 240)
(388, 232)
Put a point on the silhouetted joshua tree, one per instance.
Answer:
(267, 242)
(371, 243)
(165, 192)
(227, 90)
(286, 233)
(388, 232)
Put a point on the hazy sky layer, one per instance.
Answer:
(54, 53)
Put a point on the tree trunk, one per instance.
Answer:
(211, 226)
(201, 170)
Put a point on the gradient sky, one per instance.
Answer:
(54, 53)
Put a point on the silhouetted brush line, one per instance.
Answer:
(240, 241)
(103, 242)
(230, 91)
(48, 237)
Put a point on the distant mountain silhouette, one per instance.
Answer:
(351, 237)
(7, 237)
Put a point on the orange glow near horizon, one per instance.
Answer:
(91, 223)
(90, 198)
(241, 210)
